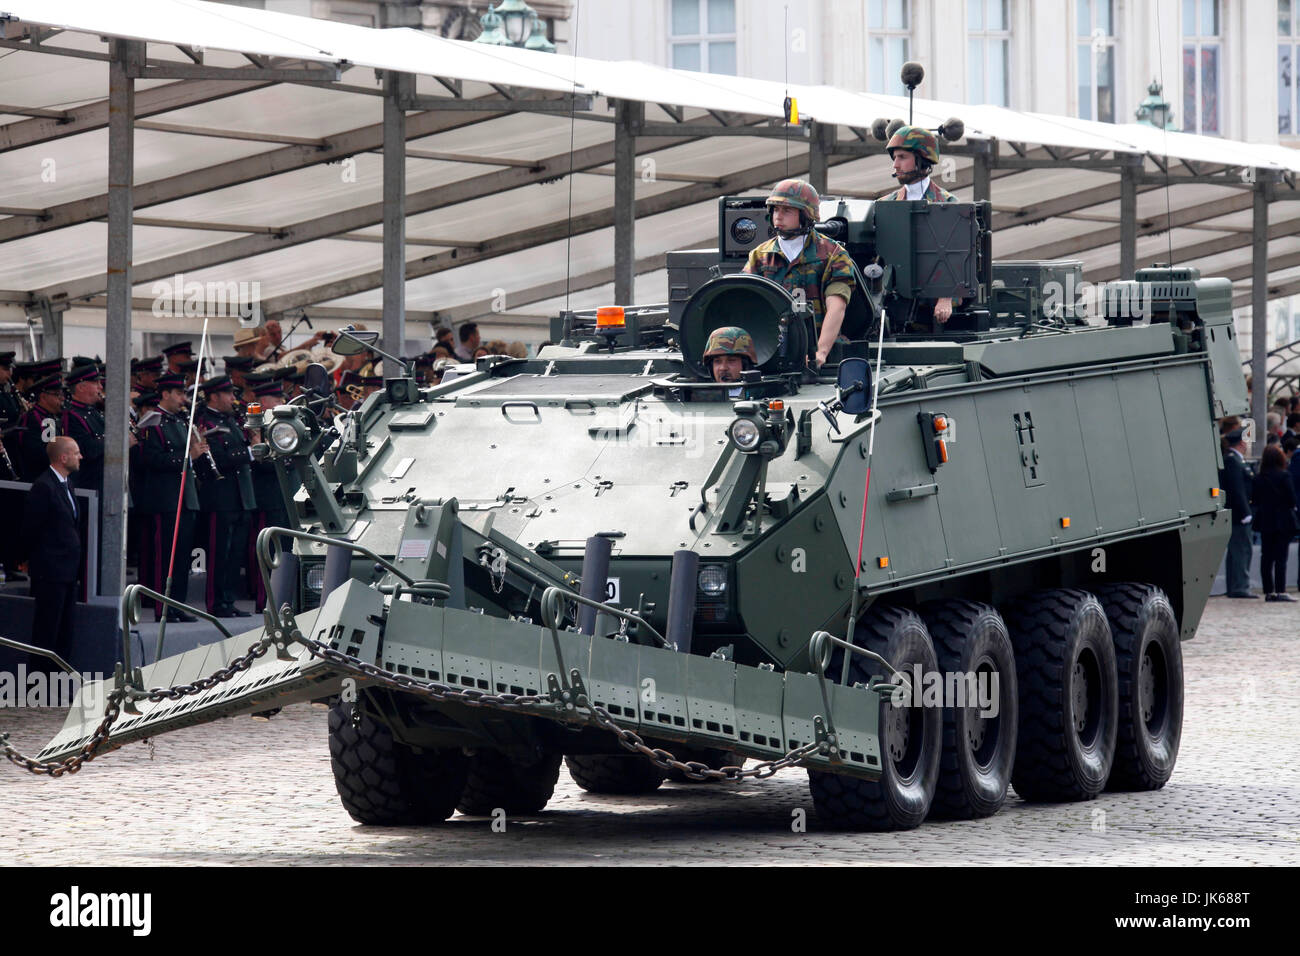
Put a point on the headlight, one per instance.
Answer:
(713, 580)
(744, 230)
(745, 434)
(315, 577)
(284, 436)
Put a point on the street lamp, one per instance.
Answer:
(518, 16)
(514, 23)
(1154, 111)
(492, 33)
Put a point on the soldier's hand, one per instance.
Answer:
(820, 359)
(943, 310)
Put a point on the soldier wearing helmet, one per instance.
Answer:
(915, 151)
(729, 351)
(807, 264)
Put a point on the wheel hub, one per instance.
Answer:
(1147, 688)
(899, 731)
(1079, 696)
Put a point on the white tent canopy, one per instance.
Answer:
(248, 181)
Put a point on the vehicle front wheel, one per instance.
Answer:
(911, 735)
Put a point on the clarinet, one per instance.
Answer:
(7, 464)
(216, 474)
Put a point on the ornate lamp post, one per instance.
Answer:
(514, 23)
(1154, 111)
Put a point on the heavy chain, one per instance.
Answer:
(575, 707)
(113, 709)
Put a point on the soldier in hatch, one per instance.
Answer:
(729, 352)
(915, 151)
(809, 265)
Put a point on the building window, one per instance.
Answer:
(988, 31)
(889, 44)
(704, 35)
(1288, 34)
(1095, 21)
(1202, 61)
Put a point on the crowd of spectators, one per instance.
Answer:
(52, 423)
(1262, 496)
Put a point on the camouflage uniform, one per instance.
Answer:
(822, 267)
(933, 193)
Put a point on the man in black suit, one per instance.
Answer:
(50, 530)
(1235, 479)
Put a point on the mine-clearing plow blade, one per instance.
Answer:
(458, 659)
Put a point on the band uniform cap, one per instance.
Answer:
(797, 193)
(169, 381)
(218, 383)
(918, 140)
(84, 373)
(7, 359)
(731, 340)
(180, 348)
(269, 388)
(239, 363)
(51, 383)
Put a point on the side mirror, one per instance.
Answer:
(854, 383)
(353, 342)
(317, 381)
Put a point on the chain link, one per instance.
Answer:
(113, 709)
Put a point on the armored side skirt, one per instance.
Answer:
(657, 693)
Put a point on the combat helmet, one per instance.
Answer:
(920, 141)
(730, 340)
(799, 194)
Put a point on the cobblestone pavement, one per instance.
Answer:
(238, 791)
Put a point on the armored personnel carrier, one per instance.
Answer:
(956, 559)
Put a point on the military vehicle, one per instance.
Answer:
(956, 559)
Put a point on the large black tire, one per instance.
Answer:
(1069, 696)
(385, 783)
(614, 773)
(1149, 658)
(979, 739)
(911, 737)
(497, 782)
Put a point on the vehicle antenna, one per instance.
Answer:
(180, 494)
(1169, 216)
(866, 486)
(573, 119)
(786, 42)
